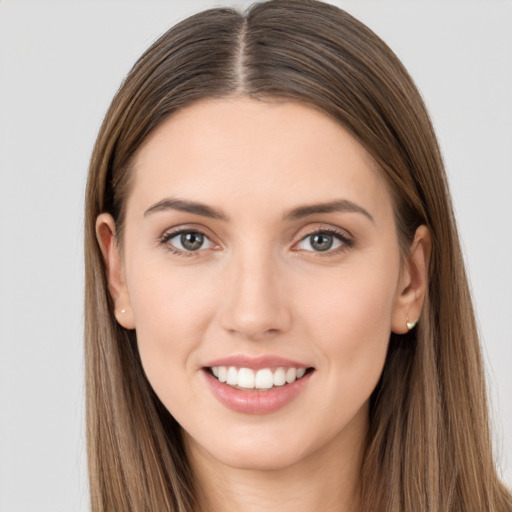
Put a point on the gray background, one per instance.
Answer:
(60, 64)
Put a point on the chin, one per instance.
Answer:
(261, 459)
(256, 451)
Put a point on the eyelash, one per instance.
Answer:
(169, 235)
(346, 242)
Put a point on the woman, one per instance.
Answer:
(277, 311)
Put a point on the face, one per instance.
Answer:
(262, 273)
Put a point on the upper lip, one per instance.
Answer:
(255, 362)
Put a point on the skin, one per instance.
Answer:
(258, 286)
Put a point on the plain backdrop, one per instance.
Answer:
(60, 64)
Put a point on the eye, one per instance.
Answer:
(324, 241)
(187, 241)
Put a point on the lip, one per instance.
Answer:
(251, 401)
(256, 362)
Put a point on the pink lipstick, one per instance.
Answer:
(256, 385)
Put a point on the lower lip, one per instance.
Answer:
(256, 402)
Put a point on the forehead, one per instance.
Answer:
(264, 155)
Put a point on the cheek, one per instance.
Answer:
(167, 300)
(171, 311)
(357, 298)
(350, 318)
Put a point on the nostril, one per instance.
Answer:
(254, 331)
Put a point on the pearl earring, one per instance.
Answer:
(123, 311)
(411, 325)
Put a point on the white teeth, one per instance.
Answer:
(232, 378)
(223, 373)
(279, 377)
(264, 378)
(246, 378)
(291, 375)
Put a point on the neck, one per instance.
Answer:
(326, 480)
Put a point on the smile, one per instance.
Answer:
(260, 380)
(256, 385)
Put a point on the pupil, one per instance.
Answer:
(191, 241)
(321, 242)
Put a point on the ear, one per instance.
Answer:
(106, 235)
(413, 282)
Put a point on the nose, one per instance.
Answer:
(256, 306)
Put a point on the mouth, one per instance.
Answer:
(262, 379)
(257, 384)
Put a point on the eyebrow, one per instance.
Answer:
(196, 208)
(185, 206)
(339, 205)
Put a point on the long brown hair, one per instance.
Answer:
(428, 446)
